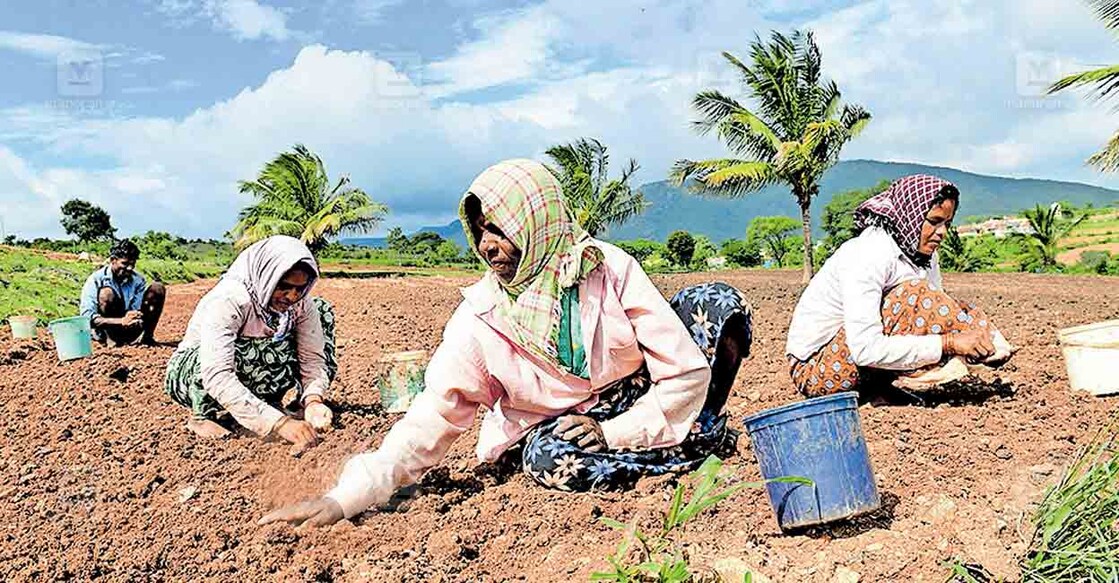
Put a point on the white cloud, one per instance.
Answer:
(556, 40)
(353, 109)
(513, 47)
(30, 197)
(44, 45)
(939, 76)
(372, 11)
(25, 206)
(943, 80)
(243, 19)
(248, 19)
(60, 49)
(170, 86)
(146, 57)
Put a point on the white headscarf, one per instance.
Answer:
(262, 265)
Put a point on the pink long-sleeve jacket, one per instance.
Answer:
(626, 323)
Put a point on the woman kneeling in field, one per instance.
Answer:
(253, 337)
(573, 351)
(878, 303)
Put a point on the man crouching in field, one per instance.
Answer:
(121, 307)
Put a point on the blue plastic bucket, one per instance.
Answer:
(72, 338)
(820, 439)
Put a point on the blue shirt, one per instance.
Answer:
(130, 291)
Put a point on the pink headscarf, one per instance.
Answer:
(901, 209)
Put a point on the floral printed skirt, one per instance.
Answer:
(711, 312)
(912, 308)
(267, 367)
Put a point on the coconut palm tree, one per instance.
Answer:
(1105, 81)
(1049, 227)
(295, 197)
(595, 200)
(793, 134)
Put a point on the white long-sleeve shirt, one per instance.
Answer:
(224, 314)
(848, 292)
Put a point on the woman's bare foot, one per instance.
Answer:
(206, 428)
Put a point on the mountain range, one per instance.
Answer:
(672, 208)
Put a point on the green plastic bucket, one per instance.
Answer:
(72, 338)
(23, 327)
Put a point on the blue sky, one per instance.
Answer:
(154, 109)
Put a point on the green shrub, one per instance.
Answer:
(741, 253)
(642, 249)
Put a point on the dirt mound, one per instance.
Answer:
(99, 479)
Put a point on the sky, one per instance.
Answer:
(155, 109)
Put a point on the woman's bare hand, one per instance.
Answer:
(582, 431)
(315, 512)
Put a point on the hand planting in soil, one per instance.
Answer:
(254, 336)
(314, 512)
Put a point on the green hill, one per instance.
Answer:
(674, 208)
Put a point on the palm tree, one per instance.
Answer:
(1049, 227)
(595, 200)
(958, 254)
(294, 197)
(1105, 80)
(792, 137)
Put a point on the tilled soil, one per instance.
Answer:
(100, 480)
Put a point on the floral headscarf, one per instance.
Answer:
(525, 201)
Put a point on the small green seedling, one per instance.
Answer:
(1076, 536)
(1076, 525)
(959, 572)
(656, 556)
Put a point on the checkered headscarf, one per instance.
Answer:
(901, 209)
(525, 201)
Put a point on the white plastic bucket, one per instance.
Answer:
(23, 327)
(1092, 356)
(403, 380)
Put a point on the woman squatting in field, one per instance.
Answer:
(257, 334)
(588, 375)
(878, 303)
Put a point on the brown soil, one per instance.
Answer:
(96, 460)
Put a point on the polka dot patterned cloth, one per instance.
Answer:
(912, 308)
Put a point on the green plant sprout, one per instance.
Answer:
(959, 572)
(1076, 525)
(1076, 533)
(658, 556)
